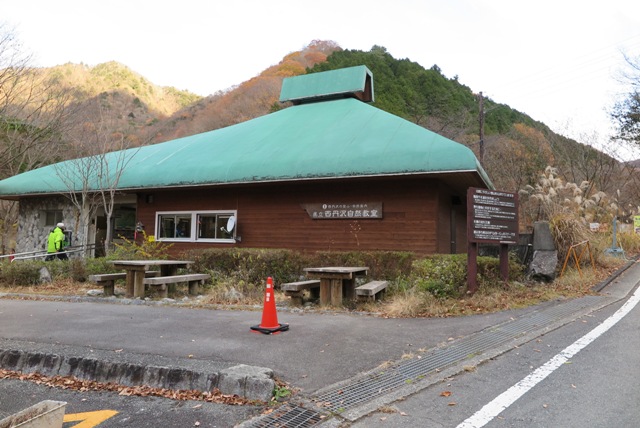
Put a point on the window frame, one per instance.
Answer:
(58, 216)
(193, 236)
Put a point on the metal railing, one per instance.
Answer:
(37, 254)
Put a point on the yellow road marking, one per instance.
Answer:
(89, 419)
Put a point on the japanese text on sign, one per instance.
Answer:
(364, 210)
(492, 216)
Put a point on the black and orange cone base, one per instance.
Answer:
(270, 323)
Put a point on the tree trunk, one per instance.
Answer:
(109, 235)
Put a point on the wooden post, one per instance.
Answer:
(472, 268)
(504, 262)
(336, 292)
(481, 120)
(325, 291)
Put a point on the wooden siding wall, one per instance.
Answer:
(272, 216)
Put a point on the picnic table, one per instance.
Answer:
(136, 269)
(336, 282)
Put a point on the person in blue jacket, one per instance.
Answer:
(55, 243)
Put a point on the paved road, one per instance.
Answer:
(321, 349)
(318, 350)
(596, 387)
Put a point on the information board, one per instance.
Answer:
(492, 216)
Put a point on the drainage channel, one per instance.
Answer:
(382, 381)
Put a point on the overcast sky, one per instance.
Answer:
(556, 61)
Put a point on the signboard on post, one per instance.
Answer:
(492, 217)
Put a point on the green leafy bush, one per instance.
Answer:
(382, 264)
(253, 266)
(445, 275)
(20, 273)
(146, 249)
(489, 272)
(441, 275)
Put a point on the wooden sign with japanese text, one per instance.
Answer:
(344, 210)
(492, 216)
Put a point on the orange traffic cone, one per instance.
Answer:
(270, 323)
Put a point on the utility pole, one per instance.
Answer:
(481, 120)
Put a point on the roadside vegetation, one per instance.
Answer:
(434, 286)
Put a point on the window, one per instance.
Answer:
(214, 226)
(204, 226)
(175, 226)
(53, 217)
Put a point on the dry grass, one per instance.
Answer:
(492, 299)
(65, 287)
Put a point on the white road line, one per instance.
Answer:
(507, 398)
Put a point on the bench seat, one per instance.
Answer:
(369, 290)
(166, 282)
(296, 289)
(107, 280)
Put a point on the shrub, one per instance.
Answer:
(95, 266)
(445, 275)
(489, 274)
(21, 273)
(629, 242)
(253, 266)
(382, 264)
(441, 275)
(567, 230)
(146, 249)
(77, 270)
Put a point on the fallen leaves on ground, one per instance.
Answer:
(73, 383)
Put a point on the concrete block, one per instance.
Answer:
(254, 383)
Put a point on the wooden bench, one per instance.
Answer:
(369, 290)
(295, 290)
(107, 280)
(167, 283)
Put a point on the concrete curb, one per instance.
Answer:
(252, 383)
(602, 284)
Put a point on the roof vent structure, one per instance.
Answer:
(353, 82)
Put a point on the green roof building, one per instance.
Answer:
(276, 174)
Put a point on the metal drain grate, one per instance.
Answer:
(289, 417)
(407, 372)
(380, 383)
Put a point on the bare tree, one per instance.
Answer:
(92, 179)
(80, 178)
(114, 155)
(33, 112)
(626, 111)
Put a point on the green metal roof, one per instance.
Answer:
(328, 84)
(327, 139)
